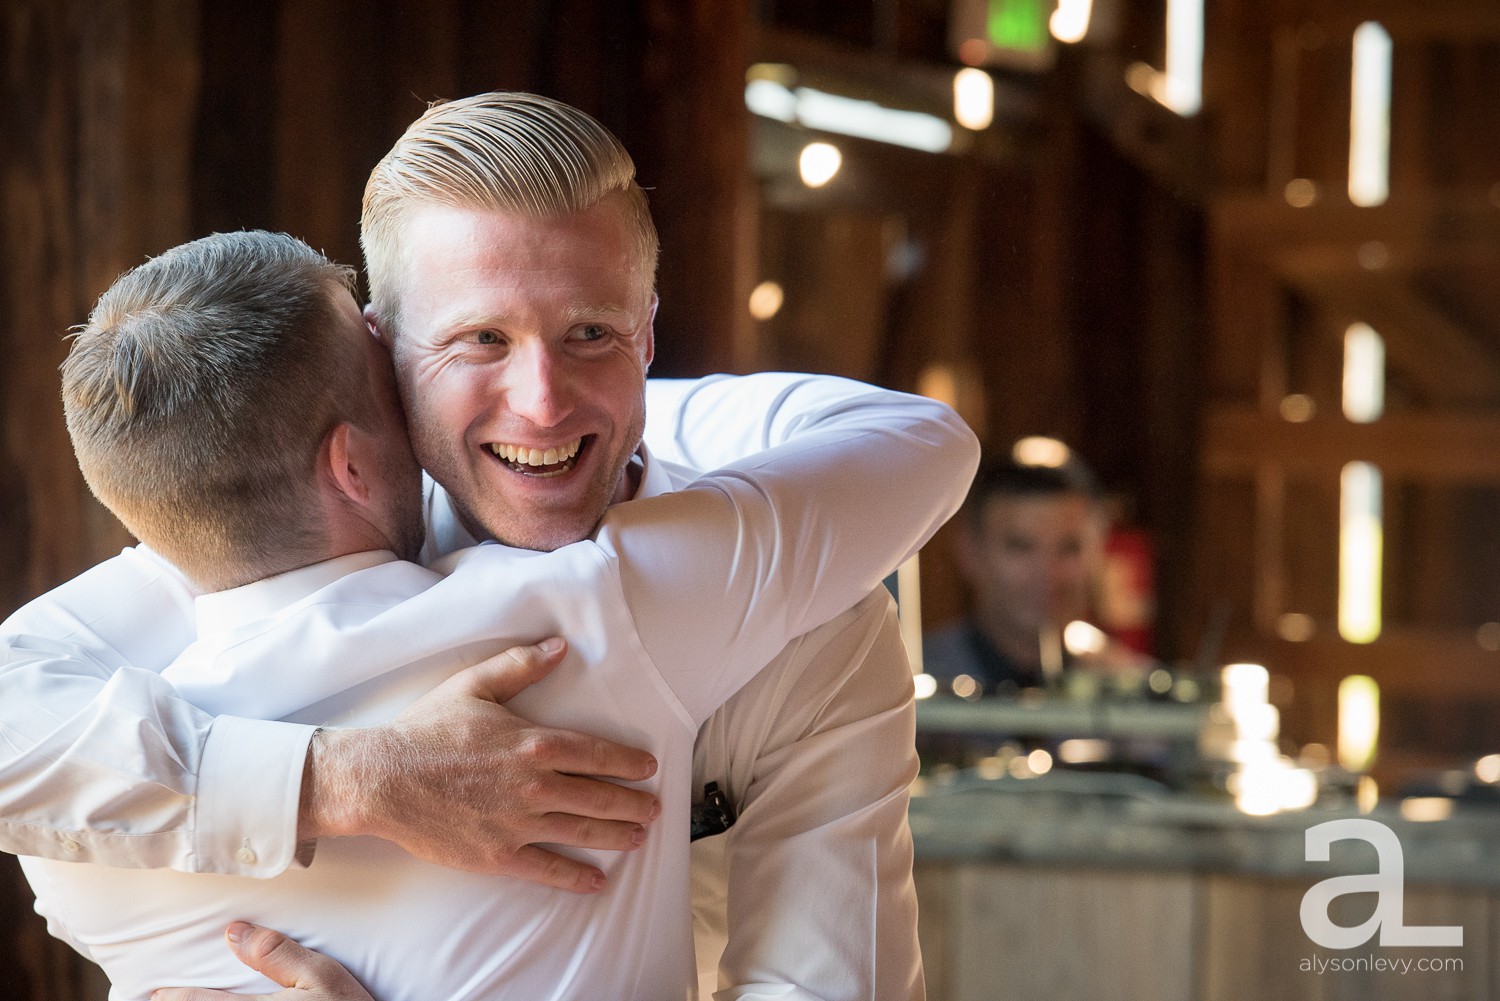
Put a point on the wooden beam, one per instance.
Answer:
(1463, 448)
(1443, 664)
(1437, 218)
(97, 107)
(1437, 354)
(1466, 20)
(693, 156)
(861, 73)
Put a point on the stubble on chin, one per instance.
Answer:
(539, 528)
(536, 530)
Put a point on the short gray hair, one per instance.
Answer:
(199, 392)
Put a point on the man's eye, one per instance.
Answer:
(486, 337)
(590, 332)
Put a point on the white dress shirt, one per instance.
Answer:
(817, 751)
(809, 896)
(658, 570)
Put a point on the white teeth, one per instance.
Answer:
(526, 456)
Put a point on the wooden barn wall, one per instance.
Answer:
(132, 126)
(1135, 282)
(128, 126)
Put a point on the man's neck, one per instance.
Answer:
(226, 610)
(630, 480)
(248, 572)
(1022, 647)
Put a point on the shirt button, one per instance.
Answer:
(72, 847)
(246, 856)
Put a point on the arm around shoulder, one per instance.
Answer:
(720, 419)
(744, 559)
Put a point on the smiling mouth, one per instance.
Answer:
(538, 462)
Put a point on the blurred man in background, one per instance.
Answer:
(1029, 544)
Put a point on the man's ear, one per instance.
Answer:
(376, 330)
(341, 465)
(651, 330)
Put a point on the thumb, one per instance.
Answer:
(273, 955)
(505, 675)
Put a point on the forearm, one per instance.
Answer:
(105, 758)
(829, 913)
(346, 782)
(729, 569)
(819, 753)
(102, 760)
(115, 769)
(76, 780)
(717, 420)
(709, 422)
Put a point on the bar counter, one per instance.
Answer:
(1084, 885)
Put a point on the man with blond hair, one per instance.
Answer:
(521, 333)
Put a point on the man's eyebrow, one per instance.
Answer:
(466, 321)
(582, 314)
(472, 320)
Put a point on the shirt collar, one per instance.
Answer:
(655, 478)
(445, 529)
(170, 568)
(222, 611)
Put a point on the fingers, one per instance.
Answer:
(579, 797)
(589, 832)
(273, 955)
(307, 974)
(581, 754)
(537, 865)
(199, 994)
(503, 676)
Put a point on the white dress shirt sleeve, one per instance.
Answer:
(818, 752)
(852, 481)
(102, 761)
(715, 420)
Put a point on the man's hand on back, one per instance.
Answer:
(306, 975)
(459, 780)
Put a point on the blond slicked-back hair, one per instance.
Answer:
(511, 152)
(199, 392)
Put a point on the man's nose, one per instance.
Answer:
(538, 385)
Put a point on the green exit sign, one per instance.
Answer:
(1014, 34)
(1020, 25)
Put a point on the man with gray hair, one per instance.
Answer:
(521, 333)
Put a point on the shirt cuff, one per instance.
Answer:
(249, 790)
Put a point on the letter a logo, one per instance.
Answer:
(1388, 884)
